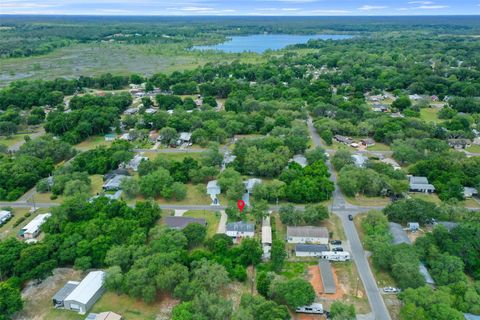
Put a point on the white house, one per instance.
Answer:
(309, 250)
(213, 190)
(32, 229)
(307, 234)
(335, 256)
(4, 216)
(420, 184)
(185, 137)
(86, 293)
(239, 230)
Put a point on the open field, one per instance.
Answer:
(173, 156)
(368, 201)
(92, 143)
(212, 218)
(379, 147)
(430, 114)
(473, 149)
(96, 188)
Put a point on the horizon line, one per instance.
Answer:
(236, 15)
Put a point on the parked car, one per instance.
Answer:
(337, 249)
(350, 217)
(336, 242)
(391, 290)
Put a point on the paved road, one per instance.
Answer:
(342, 209)
(172, 150)
(34, 135)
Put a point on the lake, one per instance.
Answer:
(260, 43)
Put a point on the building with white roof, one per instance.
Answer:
(135, 162)
(86, 293)
(4, 216)
(213, 190)
(240, 230)
(32, 229)
(307, 234)
(420, 184)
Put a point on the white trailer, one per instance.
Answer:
(335, 256)
(314, 308)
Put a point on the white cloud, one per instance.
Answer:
(422, 2)
(433, 7)
(371, 8)
(329, 11)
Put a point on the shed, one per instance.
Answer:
(4, 216)
(368, 142)
(61, 294)
(185, 137)
(326, 274)
(180, 223)
(413, 226)
(86, 293)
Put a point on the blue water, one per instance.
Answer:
(259, 43)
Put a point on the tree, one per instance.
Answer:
(447, 269)
(258, 308)
(411, 210)
(402, 103)
(314, 155)
(264, 280)
(341, 311)
(259, 210)
(130, 188)
(168, 136)
(289, 215)
(250, 252)
(314, 214)
(76, 187)
(195, 234)
(293, 293)
(278, 255)
(10, 300)
(341, 159)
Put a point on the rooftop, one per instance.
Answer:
(33, 225)
(327, 276)
(266, 234)
(65, 290)
(301, 247)
(88, 287)
(240, 226)
(307, 231)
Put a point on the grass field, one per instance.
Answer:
(194, 196)
(212, 218)
(174, 156)
(96, 188)
(368, 201)
(427, 197)
(92, 143)
(473, 149)
(379, 147)
(12, 140)
(430, 114)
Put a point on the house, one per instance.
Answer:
(435, 98)
(469, 192)
(84, 294)
(185, 137)
(249, 185)
(420, 184)
(309, 250)
(150, 110)
(113, 173)
(109, 315)
(343, 139)
(413, 226)
(115, 196)
(110, 137)
(153, 136)
(114, 183)
(335, 256)
(328, 281)
(392, 162)
(359, 160)
(397, 115)
(300, 159)
(414, 97)
(367, 142)
(459, 144)
(239, 230)
(378, 107)
(180, 223)
(469, 316)
(213, 190)
(4, 216)
(307, 234)
(131, 111)
(32, 229)
(135, 162)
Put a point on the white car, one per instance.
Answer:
(390, 290)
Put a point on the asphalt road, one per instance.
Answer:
(342, 209)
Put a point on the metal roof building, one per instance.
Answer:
(309, 250)
(327, 276)
(32, 229)
(86, 293)
(60, 296)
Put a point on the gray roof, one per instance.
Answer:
(418, 180)
(327, 276)
(422, 186)
(399, 235)
(65, 291)
(448, 224)
(114, 183)
(307, 231)
(250, 183)
(182, 222)
(87, 288)
(301, 247)
(240, 226)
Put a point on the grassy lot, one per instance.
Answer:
(430, 114)
(473, 149)
(174, 156)
(368, 201)
(379, 147)
(334, 225)
(96, 188)
(10, 230)
(12, 140)
(213, 218)
(296, 269)
(352, 285)
(427, 197)
(92, 143)
(194, 196)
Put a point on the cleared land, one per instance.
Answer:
(212, 218)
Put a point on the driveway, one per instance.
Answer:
(222, 225)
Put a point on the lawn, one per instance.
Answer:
(194, 196)
(12, 140)
(379, 147)
(212, 218)
(174, 156)
(426, 197)
(10, 230)
(296, 269)
(92, 143)
(430, 114)
(368, 201)
(473, 149)
(96, 188)
(352, 285)
(334, 225)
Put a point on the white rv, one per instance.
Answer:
(335, 255)
(314, 308)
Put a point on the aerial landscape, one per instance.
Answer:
(256, 160)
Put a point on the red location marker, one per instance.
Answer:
(240, 205)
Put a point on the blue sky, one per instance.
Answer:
(242, 7)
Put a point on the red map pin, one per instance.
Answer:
(240, 205)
